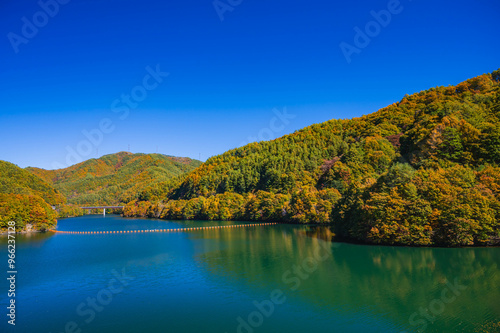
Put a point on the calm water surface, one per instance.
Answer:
(252, 280)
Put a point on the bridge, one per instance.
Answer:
(103, 207)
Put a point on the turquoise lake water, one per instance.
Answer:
(254, 280)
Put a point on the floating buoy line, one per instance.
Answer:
(163, 230)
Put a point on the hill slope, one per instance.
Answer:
(115, 178)
(14, 180)
(26, 198)
(421, 171)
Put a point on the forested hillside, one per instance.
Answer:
(116, 178)
(27, 199)
(15, 180)
(422, 171)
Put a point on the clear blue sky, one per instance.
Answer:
(225, 76)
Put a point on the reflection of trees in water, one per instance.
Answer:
(392, 282)
(323, 233)
(30, 239)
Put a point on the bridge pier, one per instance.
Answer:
(104, 212)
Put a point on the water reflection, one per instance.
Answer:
(388, 282)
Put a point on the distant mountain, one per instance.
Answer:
(116, 178)
(422, 171)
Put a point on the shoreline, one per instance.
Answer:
(336, 239)
(22, 232)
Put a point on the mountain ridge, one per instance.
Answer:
(114, 178)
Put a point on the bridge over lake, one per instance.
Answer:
(103, 208)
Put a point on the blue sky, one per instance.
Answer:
(267, 69)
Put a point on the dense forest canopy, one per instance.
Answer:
(422, 171)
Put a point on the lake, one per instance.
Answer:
(279, 278)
